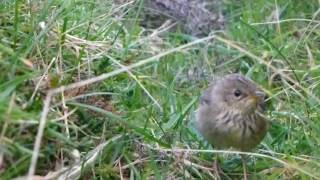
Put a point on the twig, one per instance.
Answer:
(235, 152)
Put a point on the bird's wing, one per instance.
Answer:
(205, 97)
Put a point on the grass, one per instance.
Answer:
(104, 98)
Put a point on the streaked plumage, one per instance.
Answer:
(230, 113)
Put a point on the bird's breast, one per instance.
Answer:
(229, 129)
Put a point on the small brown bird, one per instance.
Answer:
(230, 114)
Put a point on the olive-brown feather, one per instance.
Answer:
(230, 113)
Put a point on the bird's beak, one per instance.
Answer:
(253, 100)
(259, 94)
(255, 97)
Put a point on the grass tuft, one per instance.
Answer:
(87, 92)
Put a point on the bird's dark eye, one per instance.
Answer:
(237, 93)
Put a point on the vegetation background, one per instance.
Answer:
(134, 117)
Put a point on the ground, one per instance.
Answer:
(87, 92)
